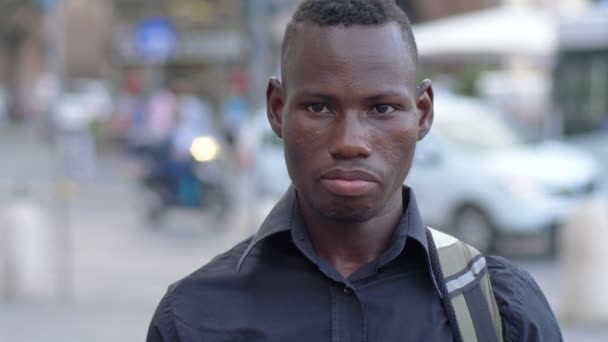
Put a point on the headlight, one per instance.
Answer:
(204, 149)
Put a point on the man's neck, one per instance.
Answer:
(349, 246)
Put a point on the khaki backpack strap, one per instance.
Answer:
(469, 288)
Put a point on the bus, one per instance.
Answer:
(580, 87)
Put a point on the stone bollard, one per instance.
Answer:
(29, 271)
(584, 258)
(5, 277)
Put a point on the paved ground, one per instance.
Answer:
(121, 269)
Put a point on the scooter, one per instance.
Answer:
(195, 182)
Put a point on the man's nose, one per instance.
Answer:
(350, 138)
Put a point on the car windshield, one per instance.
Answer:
(478, 130)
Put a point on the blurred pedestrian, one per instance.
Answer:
(160, 119)
(127, 124)
(75, 144)
(3, 107)
(345, 256)
(234, 111)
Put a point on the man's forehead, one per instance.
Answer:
(321, 49)
(311, 34)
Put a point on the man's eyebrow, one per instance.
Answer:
(385, 94)
(315, 94)
(372, 98)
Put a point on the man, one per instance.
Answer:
(344, 256)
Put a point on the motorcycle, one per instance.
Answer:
(194, 182)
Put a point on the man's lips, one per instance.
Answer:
(349, 183)
(350, 175)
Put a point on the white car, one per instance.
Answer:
(271, 177)
(264, 150)
(473, 176)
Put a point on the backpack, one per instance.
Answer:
(466, 288)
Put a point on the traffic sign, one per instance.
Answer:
(155, 39)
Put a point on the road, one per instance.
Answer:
(120, 268)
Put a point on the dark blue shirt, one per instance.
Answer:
(274, 287)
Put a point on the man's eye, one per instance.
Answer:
(318, 108)
(383, 109)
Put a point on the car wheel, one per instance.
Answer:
(472, 226)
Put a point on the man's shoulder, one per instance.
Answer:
(196, 295)
(206, 283)
(524, 310)
(506, 270)
(510, 282)
(511, 279)
(222, 266)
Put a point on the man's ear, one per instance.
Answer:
(274, 105)
(424, 105)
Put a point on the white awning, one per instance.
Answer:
(495, 31)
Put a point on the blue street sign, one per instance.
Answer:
(45, 4)
(155, 39)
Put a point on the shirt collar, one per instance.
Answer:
(278, 220)
(281, 219)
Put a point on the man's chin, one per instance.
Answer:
(345, 210)
(347, 215)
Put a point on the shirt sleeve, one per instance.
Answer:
(162, 327)
(524, 310)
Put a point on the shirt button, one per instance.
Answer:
(347, 290)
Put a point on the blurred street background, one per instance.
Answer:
(134, 147)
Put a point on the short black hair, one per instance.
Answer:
(347, 13)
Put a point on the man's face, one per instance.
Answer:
(350, 115)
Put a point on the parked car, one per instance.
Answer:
(262, 152)
(271, 177)
(475, 177)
